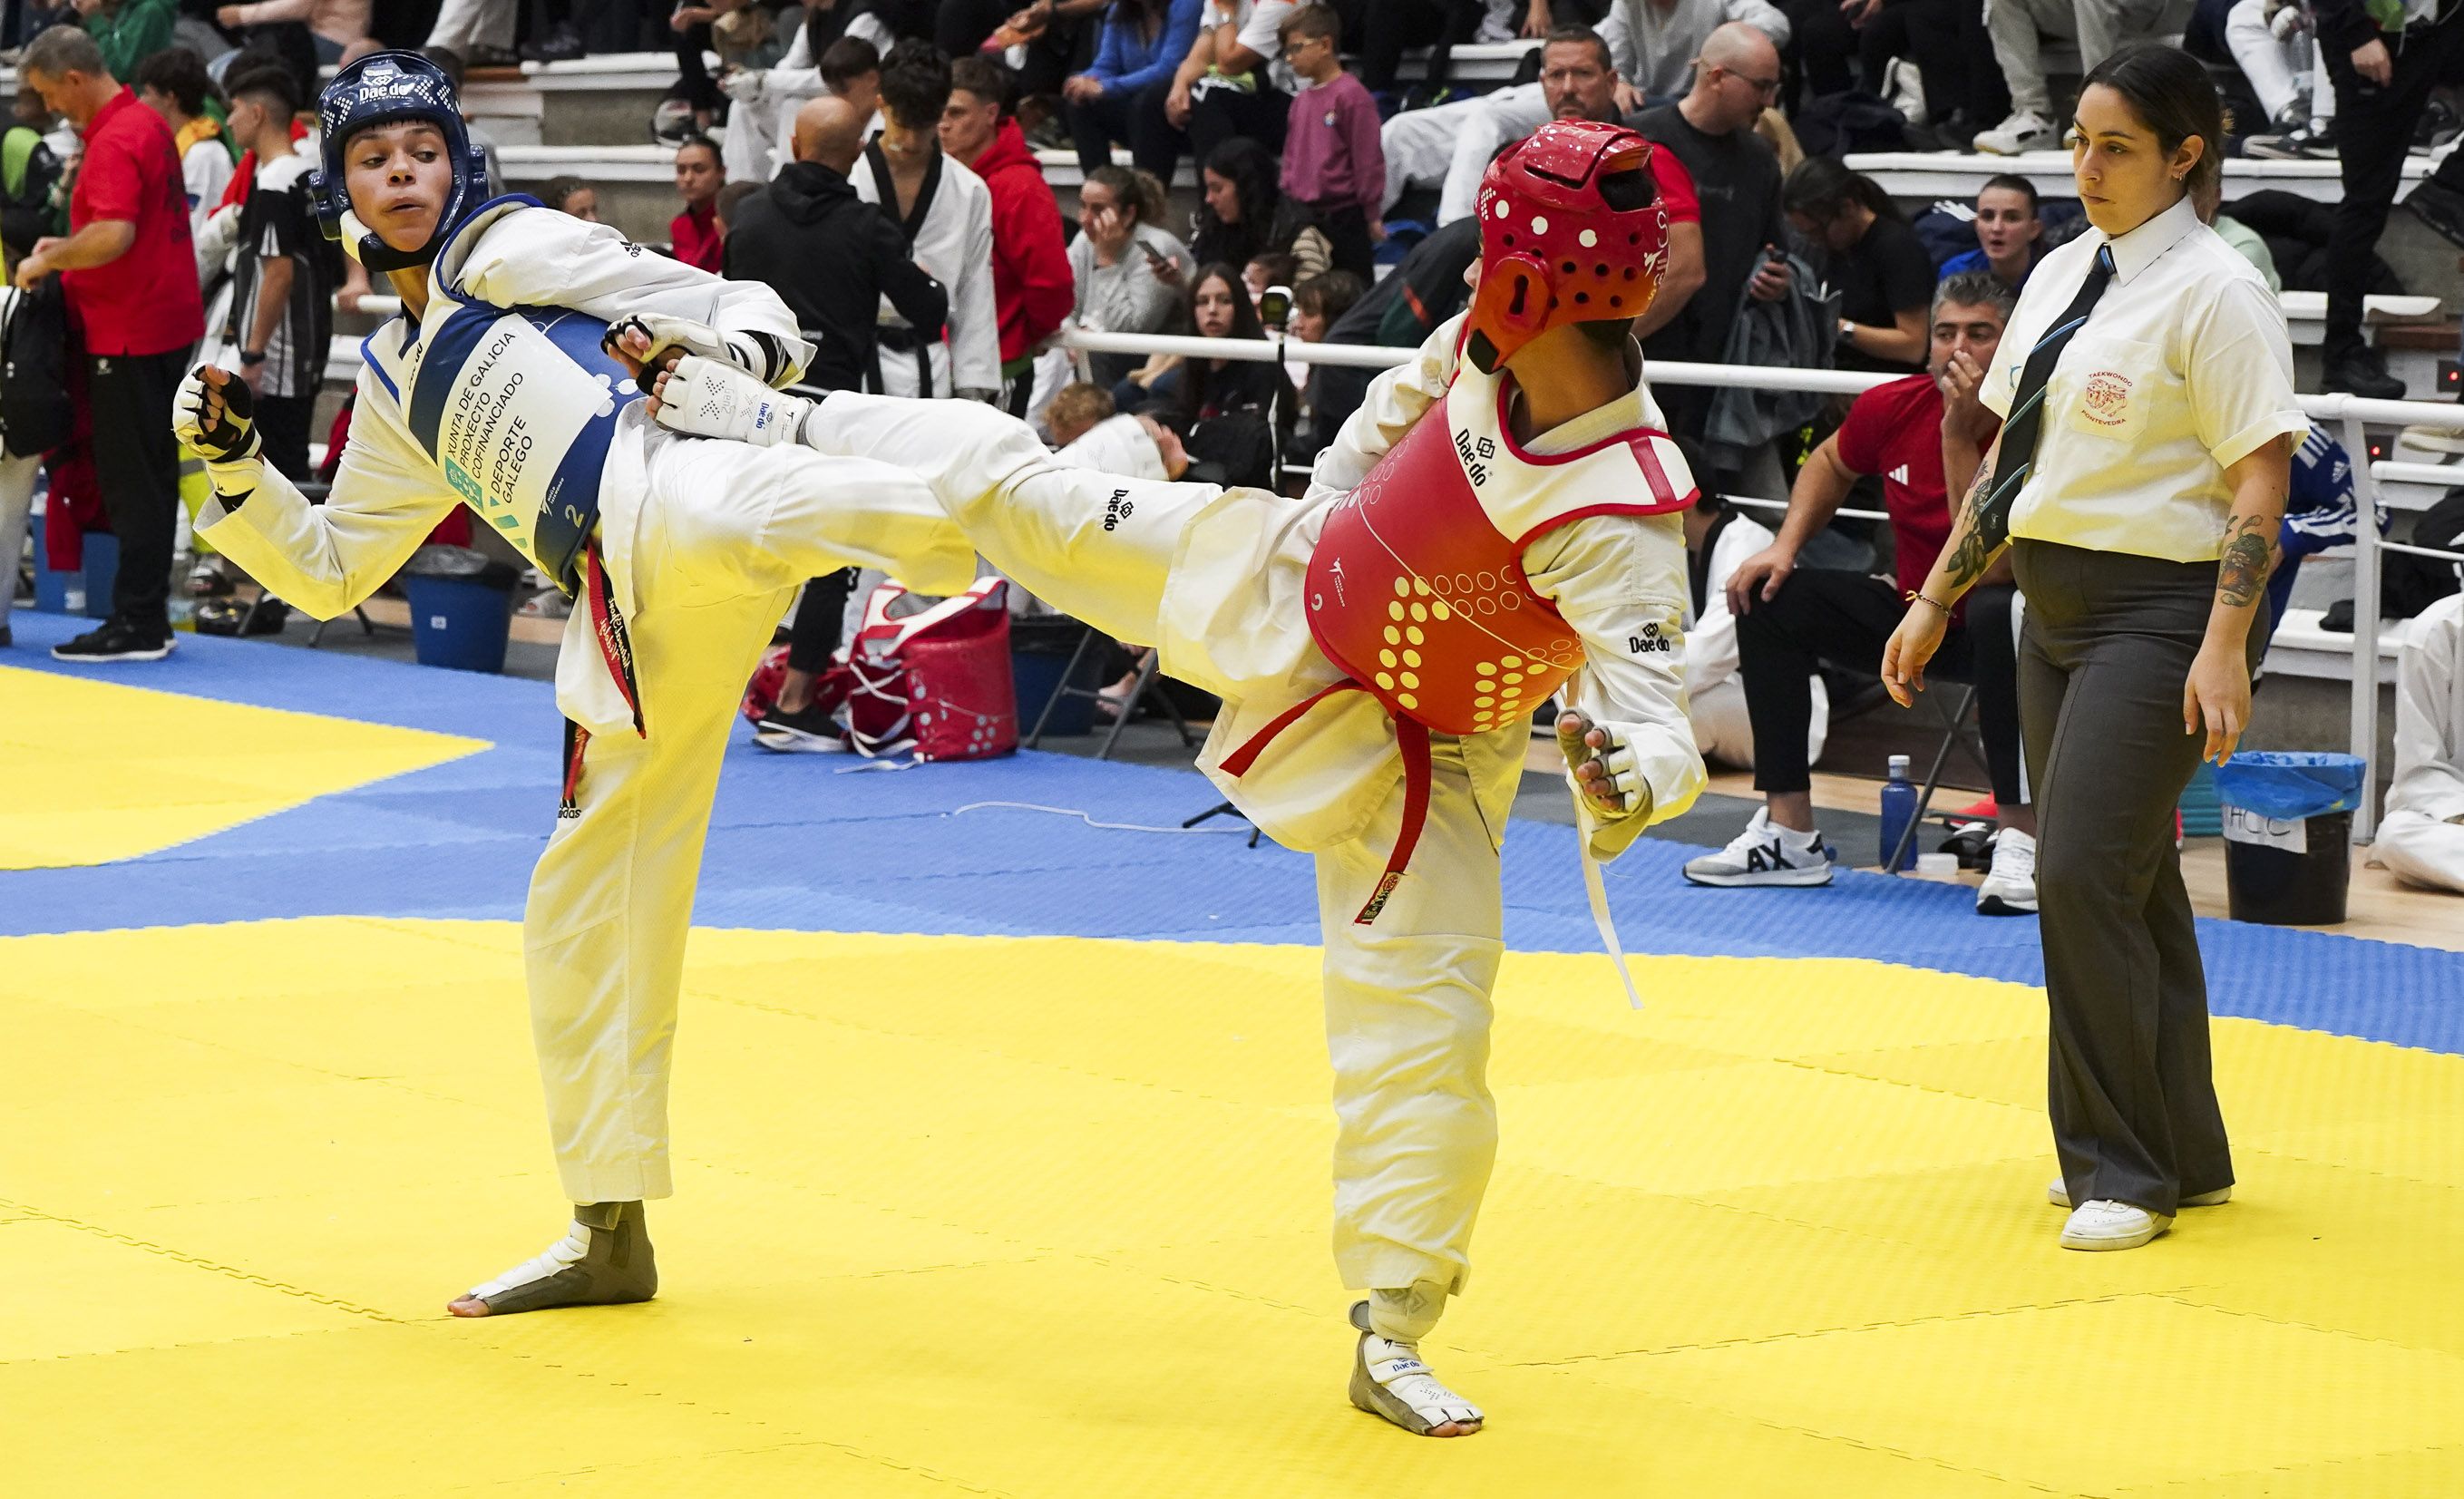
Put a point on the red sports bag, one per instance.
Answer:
(935, 683)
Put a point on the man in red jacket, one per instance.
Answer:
(1031, 282)
(130, 272)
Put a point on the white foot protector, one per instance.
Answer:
(605, 1259)
(1389, 1379)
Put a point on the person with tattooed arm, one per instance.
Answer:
(2145, 385)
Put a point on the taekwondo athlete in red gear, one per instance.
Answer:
(1496, 523)
(509, 383)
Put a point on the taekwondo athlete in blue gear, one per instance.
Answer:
(509, 383)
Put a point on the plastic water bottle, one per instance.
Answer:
(1899, 811)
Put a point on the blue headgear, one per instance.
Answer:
(381, 89)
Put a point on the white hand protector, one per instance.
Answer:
(704, 398)
(757, 355)
(215, 239)
(745, 85)
(219, 422)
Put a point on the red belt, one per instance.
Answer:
(1410, 736)
(616, 650)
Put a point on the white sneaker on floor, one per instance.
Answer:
(2009, 888)
(2104, 1225)
(1765, 854)
(2022, 132)
(2059, 1195)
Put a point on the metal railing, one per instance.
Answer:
(2346, 415)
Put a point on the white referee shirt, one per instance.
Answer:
(2184, 367)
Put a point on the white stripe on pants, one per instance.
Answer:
(1407, 1000)
(727, 531)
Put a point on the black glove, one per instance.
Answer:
(218, 420)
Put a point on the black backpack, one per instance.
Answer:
(29, 171)
(34, 413)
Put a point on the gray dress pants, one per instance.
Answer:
(2107, 645)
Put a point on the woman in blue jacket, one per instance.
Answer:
(1144, 41)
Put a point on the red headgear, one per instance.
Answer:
(1572, 230)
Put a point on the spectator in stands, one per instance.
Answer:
(129, 269)
(174, 85)
(2277, 46)
(2010, 235)
(1119, 101)
(1719, 538)
(1926, 435)
(830, 255)
(945, 212)
(1244, 215)
(1578, 80)
(128, 32)
(696, 234)
(2208, 195)
(1090, 435)
(478, 33)
(2098, 26)
(1127, 271)
(1653, 44)
(1736, 182)
(555, 40)
(572, 195)
(2384, 76)
(1333, 164)
(281, 314)
(1387, 27)
(1032, 288)
(762, 131)
(1050, 41)
(1233, 83)
(690, 24)
(1190, 391)
(1075, 410)
(1271, 267)
(2422, 838)
(31, 156)
(1871, 258)
(1316, 303)
(834, 259)
(339, 28)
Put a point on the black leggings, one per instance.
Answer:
(821, 617)
(1844, 619)
(1387, 27)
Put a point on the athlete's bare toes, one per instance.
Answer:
(467, 1307)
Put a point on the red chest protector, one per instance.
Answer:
(1416, 589)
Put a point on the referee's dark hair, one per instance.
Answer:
(2170, 93)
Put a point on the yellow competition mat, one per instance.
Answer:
(98, 772)
(1048, 1217)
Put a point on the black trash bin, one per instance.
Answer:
(2288, 827)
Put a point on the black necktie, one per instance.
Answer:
(2018, 454)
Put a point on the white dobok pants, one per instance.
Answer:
(726, 535)
(1407, 1000)
(2421, 849)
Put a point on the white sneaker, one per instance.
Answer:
(2009, 888)
(2104, 1225)
(1764, 854)
(2059, 1195)
(2022, 132)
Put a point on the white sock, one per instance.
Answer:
(1407, 1316)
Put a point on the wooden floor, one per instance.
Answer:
(2378, 906)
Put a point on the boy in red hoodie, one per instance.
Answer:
(1031, 282)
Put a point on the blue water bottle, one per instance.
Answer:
(1899, 811)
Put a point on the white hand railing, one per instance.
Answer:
(2345, 414)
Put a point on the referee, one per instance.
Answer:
(2146, 389)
